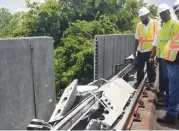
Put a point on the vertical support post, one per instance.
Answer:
(96, 58)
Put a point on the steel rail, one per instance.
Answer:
(81, 117)
(123, 72)
(121, 125)
(75, 114)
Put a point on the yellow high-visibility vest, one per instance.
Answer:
(171, 49)
(168, 30)
(146, 38)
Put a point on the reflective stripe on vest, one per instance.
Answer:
(146, 38)
(171, 49)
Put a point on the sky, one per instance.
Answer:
(15, 5)
(169, 2)
(157, 2)
(20, 5)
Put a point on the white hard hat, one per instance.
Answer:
(162, 7)
(176, 5)
(143, 11)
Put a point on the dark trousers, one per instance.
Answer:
(143, 58)
(173, 75)
(163, 77)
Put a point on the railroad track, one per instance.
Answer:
(144, 114)
(142, 110)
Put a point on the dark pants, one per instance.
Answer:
(173, 75)
(163, 77)
(143, 58)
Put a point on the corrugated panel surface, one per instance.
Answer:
(111, 50)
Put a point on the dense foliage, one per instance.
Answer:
(72, 24)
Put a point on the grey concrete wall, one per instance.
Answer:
(27, 87)
(110, 50)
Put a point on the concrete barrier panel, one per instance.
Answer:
(131, 42)
(43, 74)
(123, 48)
(16, 94)
(26, 68)
(100, 56)
(108, 57)
(119, 49)
(115, 52)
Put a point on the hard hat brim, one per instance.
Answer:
(163, 10)
(143, 14)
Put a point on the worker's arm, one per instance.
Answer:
(154, 47)
(153, 52)
(155, 42)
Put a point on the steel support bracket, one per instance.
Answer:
(141, 104)
(137, 117)
(147, 87)
(144, 94)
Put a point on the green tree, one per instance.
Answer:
(75, 58)
(14, 27)
(119, 11)
(41, 20)
(5, 17)
(153, 10)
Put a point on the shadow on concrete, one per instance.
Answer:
(152, 101)
(161, 108)
(174, 127)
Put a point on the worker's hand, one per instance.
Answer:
(151, 60)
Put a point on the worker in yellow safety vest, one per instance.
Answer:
(171, 55)
(169, 28)
(146, 31)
